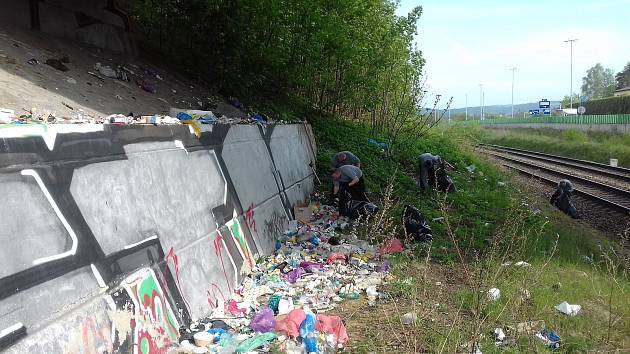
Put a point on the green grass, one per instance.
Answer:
(594, 146)
(490, 225)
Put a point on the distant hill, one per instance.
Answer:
(503, 109)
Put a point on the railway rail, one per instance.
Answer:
(606, 185)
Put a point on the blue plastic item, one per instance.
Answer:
(307, 332)
(217, 333)
(183, 116)
(553, 338)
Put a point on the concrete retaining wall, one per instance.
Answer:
(114, 236)
(614, 128)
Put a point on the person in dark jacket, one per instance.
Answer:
(340, 159)
(432, 173)
(561, 198)
(350, 178)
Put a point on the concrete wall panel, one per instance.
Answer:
(98, 214)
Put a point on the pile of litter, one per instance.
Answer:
(190, 117)
(286, 299)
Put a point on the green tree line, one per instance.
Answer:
(352, 58)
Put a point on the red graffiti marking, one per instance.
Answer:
(172, 256)
(218, 243)
(212, 296)
(249, 218)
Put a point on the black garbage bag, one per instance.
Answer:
(561, 198)
(444, 181)
(354, 208)
(416, 225)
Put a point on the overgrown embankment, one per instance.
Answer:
(594, 146)
(490, 221)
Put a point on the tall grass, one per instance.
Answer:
(594, 146)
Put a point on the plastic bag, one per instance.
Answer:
(416, 225)
(294, 275)
(354, 208)
(392, 246)
(333, 325)
(307, 332)
(290, 325)
(263, 321)
(255, 342)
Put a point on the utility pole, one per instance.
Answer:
(571, 93)
(466, 106)
(437, 101)
(513, 70)
(480, 101)
(483, 102)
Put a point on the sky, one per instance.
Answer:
(470, 42)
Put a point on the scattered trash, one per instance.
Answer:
(550, 338)
(392, 246)
(471, 168)
(384, 146)
(501, 184)
(499, 337)
(494, 294)
(6, 115)
(146, 86)
(416, 225)
(57, 64)
(33, 61)
(568, 309)
(409, 318)
(255, 342)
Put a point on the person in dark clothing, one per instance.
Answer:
(340, 159)
(561, 198)
(344, 158)
(350, 178)
(432, 173)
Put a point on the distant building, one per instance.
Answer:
(622, 92)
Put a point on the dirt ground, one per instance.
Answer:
(82, 91)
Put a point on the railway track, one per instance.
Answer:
(606, 185)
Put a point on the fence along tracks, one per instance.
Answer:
(606, 185)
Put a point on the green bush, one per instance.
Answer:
(610, 105)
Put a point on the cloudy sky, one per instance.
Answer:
(468, 42)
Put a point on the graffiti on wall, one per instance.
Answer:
(154, 324)
(249, 218)
(275, 226)
(150, 300)
(235, 230)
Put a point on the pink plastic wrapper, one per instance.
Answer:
(233, 308)
(263, 321)
(392, 246)
(336, 258)
(291, 324)
(332, 325)
(305, 264)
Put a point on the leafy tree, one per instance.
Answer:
(623, 77)
(599, 82)
(350, 58)
(566, 101)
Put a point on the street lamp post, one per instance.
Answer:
(480, 101)
(513, 70)
(437, 101)
(466, 106)
(571, 93)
